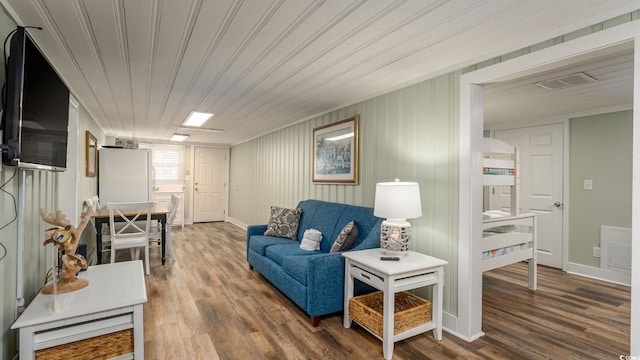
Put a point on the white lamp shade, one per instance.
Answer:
(397, 200)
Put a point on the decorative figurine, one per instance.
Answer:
(65, 237)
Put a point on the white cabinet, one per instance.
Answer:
(163, 197)
(110, 304)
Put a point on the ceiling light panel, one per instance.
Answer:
(178, 137)
(197, 118)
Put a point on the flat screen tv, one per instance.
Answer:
(36, 113)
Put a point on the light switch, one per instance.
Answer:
(588, 184)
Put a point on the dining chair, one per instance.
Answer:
(94, 203)
(131, 235)
(156, 232)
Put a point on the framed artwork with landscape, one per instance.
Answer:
(335, 152)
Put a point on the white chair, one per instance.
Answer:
(156, 232)
(130, 236)
(94, 203)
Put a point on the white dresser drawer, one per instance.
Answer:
(367, 277)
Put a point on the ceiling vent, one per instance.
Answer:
(566, 81)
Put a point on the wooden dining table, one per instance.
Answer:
(158, 212)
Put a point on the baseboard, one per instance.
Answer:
(236, 222)
(599, 274)
(450, 325)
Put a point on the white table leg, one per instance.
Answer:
(348, 293)
(437, 304)
(26, 343)
(138, 332)
(388, 320)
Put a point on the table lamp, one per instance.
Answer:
(396, 202)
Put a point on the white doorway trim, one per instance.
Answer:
(469, 321)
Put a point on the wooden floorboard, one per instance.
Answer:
(209, 305)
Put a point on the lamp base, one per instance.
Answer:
(395, 235)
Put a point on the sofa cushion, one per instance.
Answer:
(365, 220)
(346, 238)
(283, 222)
(259, 243)
(277, 253)
(322, 216)
(297, 267)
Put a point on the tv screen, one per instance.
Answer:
(36, 114)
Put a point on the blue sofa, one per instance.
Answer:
(314, 280)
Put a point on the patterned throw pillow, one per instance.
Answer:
(347, 237)
(283, 222)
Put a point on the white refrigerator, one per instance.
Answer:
(124, 175)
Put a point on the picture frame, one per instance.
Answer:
(91, 155)
(335, 152)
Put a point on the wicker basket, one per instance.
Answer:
(410, 311)
(100, 347)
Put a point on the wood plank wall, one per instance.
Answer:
(411, 133)
(40, 192)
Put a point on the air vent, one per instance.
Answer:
(567, 81)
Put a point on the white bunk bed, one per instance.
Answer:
(507, 238)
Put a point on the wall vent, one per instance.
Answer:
(566, 81)
(615, 246)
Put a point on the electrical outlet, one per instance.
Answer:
(596, 251)
(588, 184)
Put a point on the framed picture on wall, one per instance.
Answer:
(91, 154)
(335, 152)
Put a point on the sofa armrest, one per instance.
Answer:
(325, 284)
(254, 230)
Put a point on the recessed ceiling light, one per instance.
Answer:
(178, 137)
(197, 118)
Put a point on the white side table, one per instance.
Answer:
(414, 270)
(112, 302)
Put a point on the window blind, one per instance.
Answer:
(168, 162)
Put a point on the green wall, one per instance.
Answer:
(410, 133)
(600, 150)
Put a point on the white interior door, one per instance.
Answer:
(210, 173)
(541, 179)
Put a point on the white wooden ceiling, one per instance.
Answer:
(140, 66)
(521, 100)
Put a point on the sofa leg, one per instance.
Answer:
(315, 321)
(250, 267)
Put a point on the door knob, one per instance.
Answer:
(558, 204)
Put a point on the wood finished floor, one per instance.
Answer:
(209, 305)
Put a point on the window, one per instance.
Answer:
(168, 162)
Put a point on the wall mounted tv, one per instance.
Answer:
(36, 114)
